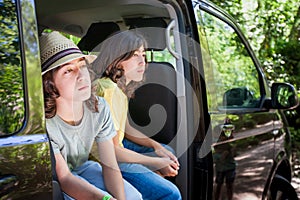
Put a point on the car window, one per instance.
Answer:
(11, 83)
(161, 56)
(231, 76)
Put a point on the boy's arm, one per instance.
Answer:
(163, 164)
(138, 137)
(111, 173)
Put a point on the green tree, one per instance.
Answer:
(273, 28)
(11, 92)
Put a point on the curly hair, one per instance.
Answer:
(51, 93)
(113, 51)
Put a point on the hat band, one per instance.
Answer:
(58, 56)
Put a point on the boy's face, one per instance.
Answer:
(134, 67)
(73, 81)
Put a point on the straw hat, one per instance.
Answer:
(57, 50)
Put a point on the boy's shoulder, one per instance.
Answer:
(102, 103)
(105, 83)
(101, 100)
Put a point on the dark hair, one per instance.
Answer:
(51, 93)
(113, 51)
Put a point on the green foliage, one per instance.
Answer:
(11, 92)
(295, 138)
(11, 98)
(273, 29)
(8, 33)
(289, 55)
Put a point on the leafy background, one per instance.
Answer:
(11, 92)
(273, 29)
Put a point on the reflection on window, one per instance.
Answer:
(11, 92)
(231, 76)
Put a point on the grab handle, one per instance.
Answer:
(168, 39)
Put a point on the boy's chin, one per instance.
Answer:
(139, 79)
(84, 97)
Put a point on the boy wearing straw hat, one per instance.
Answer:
(75, 119)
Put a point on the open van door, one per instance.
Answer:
(25, 164)
(251, 142)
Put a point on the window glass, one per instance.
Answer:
(161, 56)
(231, 76)
(11, 83)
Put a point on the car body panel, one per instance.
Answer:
(25, 154)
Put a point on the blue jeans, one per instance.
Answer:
(92, 172)
(142, 149)
(150, 184)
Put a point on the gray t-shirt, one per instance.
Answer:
(75, 142)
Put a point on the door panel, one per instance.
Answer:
(25, 163)
(243, 132)
(251, 145)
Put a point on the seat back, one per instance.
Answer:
(153, 110)
(96, 34)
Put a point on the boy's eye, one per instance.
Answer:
(137, 54)
(83, 66)
(68, 71)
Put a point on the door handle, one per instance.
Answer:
(7, 183)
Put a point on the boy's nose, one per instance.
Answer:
(79, 72)
(142, 60)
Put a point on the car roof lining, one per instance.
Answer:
(75, 17)
(153, 29)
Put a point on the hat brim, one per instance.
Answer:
(69, 58)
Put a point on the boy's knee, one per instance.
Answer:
(131, 192)
(174, 193)
(134, 195)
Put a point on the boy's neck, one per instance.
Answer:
(72, 122)
(71, 114)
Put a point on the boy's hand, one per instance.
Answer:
(163, 152)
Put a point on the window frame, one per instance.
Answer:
(227, 19)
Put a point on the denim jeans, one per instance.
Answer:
(150, 184)
(142, 149)
(92, 172)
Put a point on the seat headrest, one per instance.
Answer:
(153, 30)
(97, 33)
